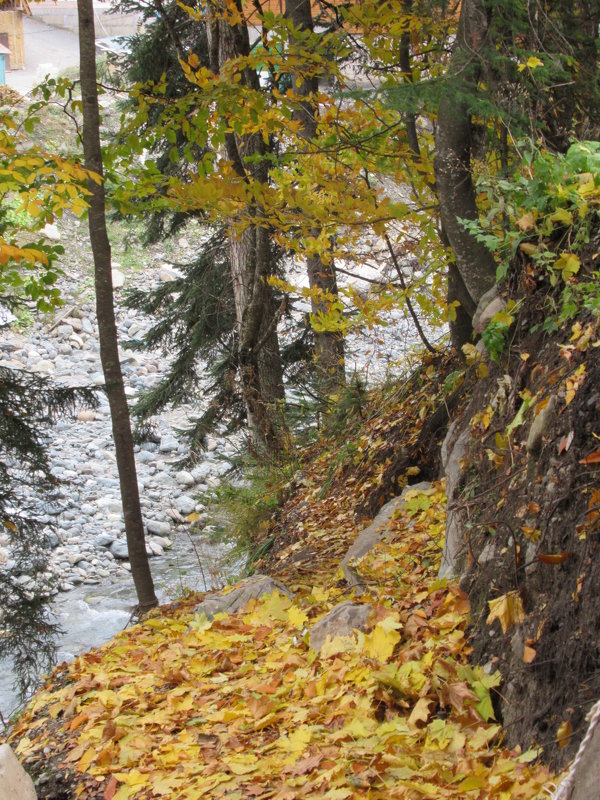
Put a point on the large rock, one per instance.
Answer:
(583, 779)
(374, 533)
(340, 621)
(454, 450)
(15, 783)
(228, 602)
(488, 306)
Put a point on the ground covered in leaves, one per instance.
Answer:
(240, 706)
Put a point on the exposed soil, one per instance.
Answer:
(532, 520)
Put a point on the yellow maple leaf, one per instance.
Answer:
(320, 594)
(297, 741)
(297, 617)
(337, 644)
(380, 643)
(507, 609)
(272, 606)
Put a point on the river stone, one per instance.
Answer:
(185, 504)
(158, 528)
(154, 549)
(229, 602)
(104, 539)
(162, 541)
(118, 278)
(119, 549)
(167, 273)
(15, 783)
(168, 444)
(43, 367)
(374, 533)
(202, 471)
(184, 478)
(340, 621)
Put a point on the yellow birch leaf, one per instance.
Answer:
(563, 734)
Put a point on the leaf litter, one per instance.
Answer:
(240, 707)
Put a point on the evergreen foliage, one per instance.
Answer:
(28, 407)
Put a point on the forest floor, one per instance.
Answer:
(240, 706)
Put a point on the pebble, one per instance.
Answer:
(88, 545)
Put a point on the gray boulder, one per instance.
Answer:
(583, 779)
(340, 621)
(374, 533)
(232, 601)
(488, 306)
(15, 783)
(453, 451)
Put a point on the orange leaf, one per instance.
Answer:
(593, 458)
(553, 558)
(528, 654)
(111, 788)
(565, 443)
(593, 506)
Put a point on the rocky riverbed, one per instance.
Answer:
(89, 543)
(89, 555)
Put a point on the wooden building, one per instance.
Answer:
(11, 31)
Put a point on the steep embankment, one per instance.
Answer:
(529, 506)
(259, 703)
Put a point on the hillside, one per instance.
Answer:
(240, 705)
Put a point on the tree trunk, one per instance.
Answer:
(261, 371)
(474, 263)
(329, 345)
(109, 352)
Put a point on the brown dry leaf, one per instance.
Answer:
(553, 558)
(456, 695)
(304, 765)
(420, 713)
(592, 458)
(529, 654)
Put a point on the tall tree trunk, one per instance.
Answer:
(475, 268)
(107, 329)
(329, 345)
(251, 264)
